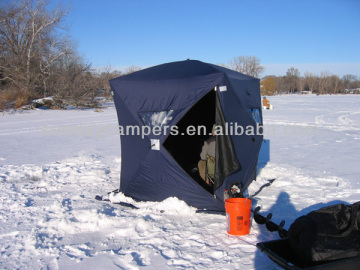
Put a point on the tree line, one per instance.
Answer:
(326, 83)
(293, 82)
(39, 59)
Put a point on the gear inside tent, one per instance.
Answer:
(165, 114)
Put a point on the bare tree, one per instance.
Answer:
(103, 76)
(8, 45)
(334, 84)
(29, 31)
(292, 79)
(310, 81)
(280, 84)
(348, 80)
(38, 57)
(131, 69)
(301, 84)
(324, 82)
(249, 65)
(58, 48)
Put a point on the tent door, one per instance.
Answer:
(186, 149)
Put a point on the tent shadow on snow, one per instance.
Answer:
(283, 209)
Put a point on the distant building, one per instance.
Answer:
(352, 91)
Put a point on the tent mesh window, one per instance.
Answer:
(160, 118)
(186, 149)
(255, 112)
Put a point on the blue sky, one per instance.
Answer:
(311, 35)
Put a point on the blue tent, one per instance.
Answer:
(171, 100)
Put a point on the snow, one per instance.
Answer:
(53, 163)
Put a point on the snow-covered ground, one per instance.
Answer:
(53, 163)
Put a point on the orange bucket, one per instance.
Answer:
(238, 216)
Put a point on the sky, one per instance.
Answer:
(310, 35)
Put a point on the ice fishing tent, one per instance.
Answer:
(173, 100)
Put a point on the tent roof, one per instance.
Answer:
(179, 70)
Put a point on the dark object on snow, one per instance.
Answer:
(327, 234)
(169, 98)
(271, 226)
(100, 198)
(328, 238)
(270, 181)
(281, 253)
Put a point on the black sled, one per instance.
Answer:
(326, 239)
(282, 254)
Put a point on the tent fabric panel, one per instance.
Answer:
(177, 95)
(133, 148)
(164, 95)
(160, 177)
(245, 87)
(248, 91)
(160, 167)
(226, 161)
(144, 191)
(246, 147)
